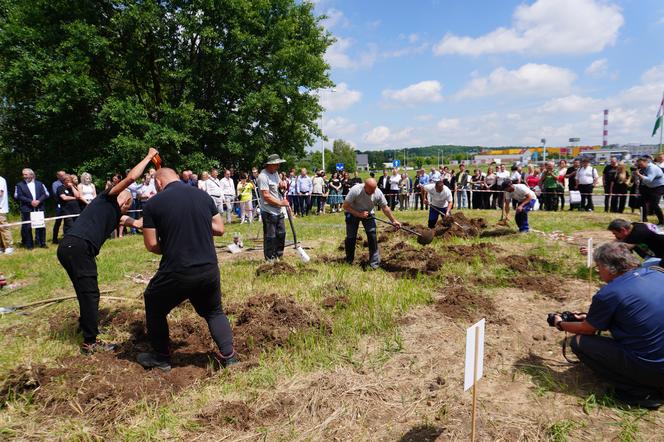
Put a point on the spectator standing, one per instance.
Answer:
(228, 192)
(304, 187)
(424, 180)
(562, 171)
(659, 160)
(271, 203)
(334, 188)
(501, 176)
(317, 191)
(68, 197)
(395, 182)
(58, 207)
(31, 195)
(571, 181)
(384, 183)
(477, 186)
(417, 191)
(434, 176)
(549, 185)
(87, 188)
(652, 188)
(6, 241)
(293, 199)
(202, 181)
(462, 180)
(404, 192)
(245, 192)
(608, 177)
(214, 189)
(490, 199)
(619, 187)
(586, 179)
(345, 185)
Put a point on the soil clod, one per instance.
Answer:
(465, 304)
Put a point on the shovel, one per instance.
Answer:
(300, 251)
(422, 238)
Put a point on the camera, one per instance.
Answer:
(566, 317)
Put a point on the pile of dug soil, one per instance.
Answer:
(404, 260)
(470, 252)
(524, 264)
(265, 321)
(281, 268)
(544, 284)
(459, 302)
(459, 226)
(335, 301)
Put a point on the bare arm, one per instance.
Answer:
(151, 241)
(347, 207)
(134, 173)
(388, 213)
(272, 200)
(131, 222)
(217, 225)
(577, 328)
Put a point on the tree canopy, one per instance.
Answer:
(90, 84)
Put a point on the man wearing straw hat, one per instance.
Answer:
(271, 204)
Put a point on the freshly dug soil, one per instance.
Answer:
(236, 414)
(339, 301)
(470, 252)
(404, 260)
(459, 226)
(465, 303)
(269, 320)
(520, 263)
(281, 268)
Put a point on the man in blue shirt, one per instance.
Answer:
(631, 307)
(652, 188)
(304, 187)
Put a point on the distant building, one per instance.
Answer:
(362, 161)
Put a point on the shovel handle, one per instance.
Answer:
(402, 227)
(290, 221)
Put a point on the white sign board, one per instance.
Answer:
(37, 220)
(589, 261)
(474, 344)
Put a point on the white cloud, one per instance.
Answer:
(377, 135)
(597, 68)
(529, 79)
(570, 104)
(337, 55)
(408, 50)
(422, 92)
(448, 123)
(339, 127)
(339, 98)
(545, 27)
(335, 18)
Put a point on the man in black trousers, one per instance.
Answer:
(80, 246)
(179, 223)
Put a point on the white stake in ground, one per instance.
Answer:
(474, 365)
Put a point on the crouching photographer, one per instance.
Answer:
(631, 307)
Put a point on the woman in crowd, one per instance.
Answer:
(148, 190)
(202, 181)
(334, 190)
(68, 197)
(562, 172)
(477, 183)
(490, 184)
(345, 184)
(245, 191)
(317, 192)
(533, 180)
(634, 189)
(87, 188)
(404, 192)
(620, 185)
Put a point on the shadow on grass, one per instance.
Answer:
(422, 433)
(574, 379)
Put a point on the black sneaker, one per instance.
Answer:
(227, 361)
(97, 347)
(154, 360)
(649, 401)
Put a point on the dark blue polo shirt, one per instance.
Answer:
(631, 307)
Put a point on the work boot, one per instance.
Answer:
(650, 401)
(88, 348)
(154, 360)
(227, 361)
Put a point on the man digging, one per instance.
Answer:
(439, 199)
(525, 199)
(359, 206)
(179, 223)
(81, 244)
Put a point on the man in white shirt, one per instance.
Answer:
(525, 201)
(586, 180)
(395, 180)
(6, 241)
(213, 188)
(228, 191)
(434, 176)
(31, 195)
(439, 198)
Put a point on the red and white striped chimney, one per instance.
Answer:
(605, 140)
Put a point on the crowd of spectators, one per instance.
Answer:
(235, 195)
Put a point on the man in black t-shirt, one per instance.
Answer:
(179, 223)
(644, 238)
(80, 246)
(67, 196)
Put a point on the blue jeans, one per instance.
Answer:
(462, 199)
(433, 215)
(521, 218)
(352, 225)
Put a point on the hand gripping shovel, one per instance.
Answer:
(300, 251)
(422, 238)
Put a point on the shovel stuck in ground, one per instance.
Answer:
(422, 238)
(300, 251)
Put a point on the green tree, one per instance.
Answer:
(89, 84)
(342, 152)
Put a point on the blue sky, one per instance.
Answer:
(492, 73)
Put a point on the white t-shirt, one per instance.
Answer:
(440, 200)
(359, 200)
(270, 182)
(88, 190)
(502, 176)
(227, 187)
(395, 180)
(4, 198)
(520, 193)
(586, 175)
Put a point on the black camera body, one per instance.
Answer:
(565, 316)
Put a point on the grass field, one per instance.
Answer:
(329, 351)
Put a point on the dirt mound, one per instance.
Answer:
(459, 226)
(465, 303)
(544, 284)
(280, 268)
(404, 260)
(339, 301)
(470, 252)
(20, 380)
(265, 321)
(520, 263)
(236, 414)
